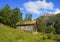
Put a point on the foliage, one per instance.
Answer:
(28, 17)
(50, 29)
(57, 37)
(51, 36)
(10, 17)
(57, 24)
(51, 19)
(9, 34)
(41, 24)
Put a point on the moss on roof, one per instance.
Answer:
(26, 22)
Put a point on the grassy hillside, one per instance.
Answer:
(8, 34)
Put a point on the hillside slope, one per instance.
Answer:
(8, 34)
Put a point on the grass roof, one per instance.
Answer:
(26, 22)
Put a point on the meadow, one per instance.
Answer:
(9, 34)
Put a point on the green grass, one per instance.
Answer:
(9, 34)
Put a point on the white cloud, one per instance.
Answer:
(39, 7)
(57, 10)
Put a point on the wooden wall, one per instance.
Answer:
(29, 28)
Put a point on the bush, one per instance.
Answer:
(57, 37)
(50, 36)
(50, 29)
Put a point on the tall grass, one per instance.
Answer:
(9, 34)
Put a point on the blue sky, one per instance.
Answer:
(34, 7)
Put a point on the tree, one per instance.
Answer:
(28, 17)
(10, 17)
(50, 29)
(1, 20)
(57, 23)
(6, 14)
(17, 16)
(41, 24)
(51, 19)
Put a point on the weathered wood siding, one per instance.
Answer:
(29, 28)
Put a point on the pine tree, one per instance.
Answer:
(28, 17)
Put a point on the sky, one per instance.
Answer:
(35, 7)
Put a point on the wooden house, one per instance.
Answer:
(29, 26)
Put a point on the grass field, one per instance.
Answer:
(9, 34)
